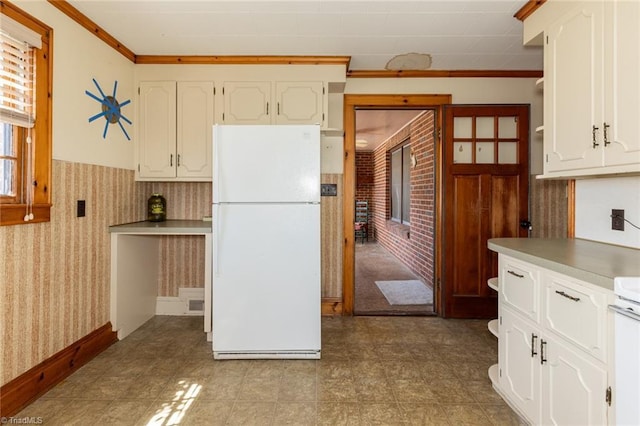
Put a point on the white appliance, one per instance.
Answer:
(266, 241)
(627, 350)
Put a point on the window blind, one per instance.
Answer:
(17, 73)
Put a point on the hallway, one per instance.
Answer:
(375, 263)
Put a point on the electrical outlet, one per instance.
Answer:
(80, 209)
(617, 220)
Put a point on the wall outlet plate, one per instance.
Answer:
(80, 208)
(617, 220)
(328, 190)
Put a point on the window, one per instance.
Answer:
(25, 118)
(401, 184)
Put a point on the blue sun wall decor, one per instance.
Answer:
(110, 109)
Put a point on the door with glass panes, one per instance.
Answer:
(486, 191)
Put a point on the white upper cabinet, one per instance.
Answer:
(622, 95)
(300, 102)
(176, 121)
(157, 129)
(592, 90)
(195, 128)
(247, 102)
(264, 102)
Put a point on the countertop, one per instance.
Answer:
(168, 227)
(596, 263)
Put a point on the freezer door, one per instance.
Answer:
(266, 163)
(266, 278)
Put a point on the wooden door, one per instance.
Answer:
(486, 152)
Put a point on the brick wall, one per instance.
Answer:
(412, 244)
(364, 182)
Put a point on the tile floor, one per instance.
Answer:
(373, 371)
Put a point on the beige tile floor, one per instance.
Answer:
(373, 371)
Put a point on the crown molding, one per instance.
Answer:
(237, 60)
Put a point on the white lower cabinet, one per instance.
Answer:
(553, 371)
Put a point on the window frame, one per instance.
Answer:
(404, 147)
(12, 213)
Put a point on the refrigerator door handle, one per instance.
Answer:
(216, 231)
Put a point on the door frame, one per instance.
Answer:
(382, 101)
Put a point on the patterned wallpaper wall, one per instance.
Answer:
(54, 285)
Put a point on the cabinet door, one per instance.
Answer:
(573, 387)
(195, 126)
(519, 361)
(157, 130)
(246, 102)
(622, 90)
(299, 102)
(573, 90)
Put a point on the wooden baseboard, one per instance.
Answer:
(331, 306)
(24, 389)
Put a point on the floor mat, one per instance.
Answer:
(406, 292)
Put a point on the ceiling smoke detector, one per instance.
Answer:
(409, 61)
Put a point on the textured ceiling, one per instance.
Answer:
(458, 34)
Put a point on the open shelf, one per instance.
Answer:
(493, 327)
(493, 283)
(539, 129)
(540, 83)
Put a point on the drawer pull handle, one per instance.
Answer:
(542, 346)
(533, 345)
(563, 294)
(515, 274)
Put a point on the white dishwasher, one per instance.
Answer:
(627, 350)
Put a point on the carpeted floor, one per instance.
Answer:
(375, 263)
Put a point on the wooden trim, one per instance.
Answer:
(92, 27)
(24, 389)
(351, 102)
(571, 208)
(331, 306)
(13, 214)
(445, 73)
(243, 60)
(528, 8)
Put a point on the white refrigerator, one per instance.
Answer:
(266, 241)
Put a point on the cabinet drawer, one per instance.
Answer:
(576, 312)
(520, 287)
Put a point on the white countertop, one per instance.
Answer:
(167, 227)
(594, 262)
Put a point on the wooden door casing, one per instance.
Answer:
(481, 201)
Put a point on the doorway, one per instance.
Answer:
(380, 102)
(394, 211)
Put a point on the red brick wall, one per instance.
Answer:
(364, 181)
(412, 244)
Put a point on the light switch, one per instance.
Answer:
(328, 190)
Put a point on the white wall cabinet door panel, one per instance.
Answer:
(574, 90)
(247, 102)
(194, 127)
(622, 79)
(519, 363)
(300, 102)
(157, 130)
(573, 388)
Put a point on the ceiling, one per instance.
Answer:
(458, 34)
